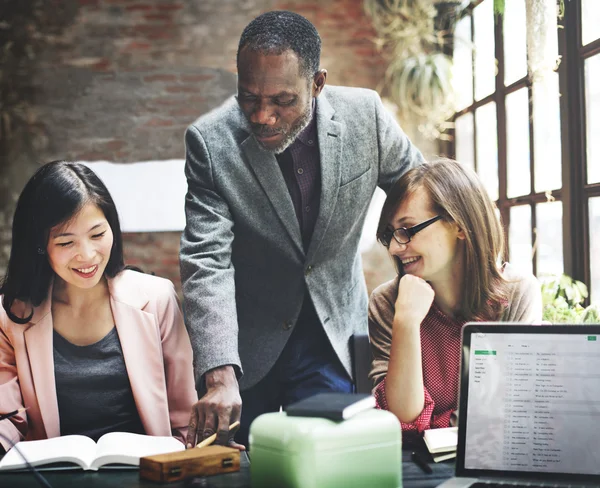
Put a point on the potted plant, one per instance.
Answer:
(413, 34)
(562, 299)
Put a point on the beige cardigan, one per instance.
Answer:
(524, 305)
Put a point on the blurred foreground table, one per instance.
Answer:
(412, 476)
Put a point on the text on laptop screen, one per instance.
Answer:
(533, 403)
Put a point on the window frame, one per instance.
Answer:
(578, 192)
(575, 191)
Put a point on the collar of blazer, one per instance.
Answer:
(117, 289)
(265, 167)
(323, 111)
(140, 343)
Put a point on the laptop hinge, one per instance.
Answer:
(534, 482)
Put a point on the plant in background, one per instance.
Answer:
(591, 315)
(562, 299)
(499, 6)
(422, 84)
(414, 34)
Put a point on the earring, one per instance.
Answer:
(40, 251)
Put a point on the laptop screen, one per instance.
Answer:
(531, 395)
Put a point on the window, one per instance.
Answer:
(533, 144)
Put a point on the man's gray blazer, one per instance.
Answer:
(243, 267)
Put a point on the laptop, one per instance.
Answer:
(529, 406)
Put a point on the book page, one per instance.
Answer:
(77, 449)
(127, 448)
(359, 406)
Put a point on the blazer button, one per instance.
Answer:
(287, 325)
(308, 270)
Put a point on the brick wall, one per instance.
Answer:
(120, 80)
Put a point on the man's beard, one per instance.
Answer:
(300, 124)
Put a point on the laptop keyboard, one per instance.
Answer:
(482, 484)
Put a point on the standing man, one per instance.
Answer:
(279, 182)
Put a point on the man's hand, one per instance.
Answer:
(217, 409)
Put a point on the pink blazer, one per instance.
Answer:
(156, 351)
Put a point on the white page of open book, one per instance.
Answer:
(76, 449)
(126, 448)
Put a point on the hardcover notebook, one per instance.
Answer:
(441, 443)
(529, 406)
(334, 406)
(441, 440)
(79, 451)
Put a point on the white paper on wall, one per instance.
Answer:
(149, 195)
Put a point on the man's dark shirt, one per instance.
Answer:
(300, 165)
(301, 168)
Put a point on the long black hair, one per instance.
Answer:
(53, 195)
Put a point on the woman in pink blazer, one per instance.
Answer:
(86, 345)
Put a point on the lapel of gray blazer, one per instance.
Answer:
(330, 134)
(267, 171)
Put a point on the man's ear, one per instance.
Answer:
(319, 82)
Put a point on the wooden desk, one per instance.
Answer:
(412, 476)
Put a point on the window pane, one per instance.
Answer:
(517, 144)
(462, 73)
(464, 142)
(519, 238)
(546, 134)
(595, 249)
(592, 113)
(549, 249)
(590, 21)
(485, 61)
(515, 42)
(487, 148)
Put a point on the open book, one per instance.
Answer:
(78, 451)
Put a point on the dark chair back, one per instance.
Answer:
(361, 351)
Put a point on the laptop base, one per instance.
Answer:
(506, 483)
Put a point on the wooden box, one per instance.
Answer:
(203, 461)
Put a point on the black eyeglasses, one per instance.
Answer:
(404, 235)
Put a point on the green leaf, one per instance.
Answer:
(499, 7)
(562, 297)
(591, 315)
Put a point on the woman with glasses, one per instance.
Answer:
(440, 227)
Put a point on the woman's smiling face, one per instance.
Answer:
(79, 250)
(434, 253)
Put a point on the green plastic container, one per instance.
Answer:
(310, 452)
